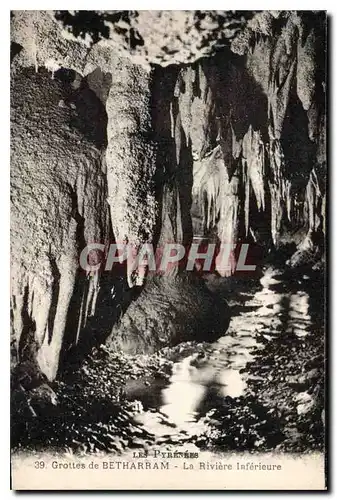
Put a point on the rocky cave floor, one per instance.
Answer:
(258, 388)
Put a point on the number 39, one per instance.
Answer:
(39, 465)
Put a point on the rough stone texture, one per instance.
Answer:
(41, 42)
(264, 108)
(130, 158)
(170, 310)
(174, 177)
(237, 138)
(67, 38)
(261, 129)
(58, 205)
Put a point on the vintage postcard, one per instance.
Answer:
(168, 232)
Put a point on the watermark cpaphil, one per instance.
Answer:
(225, 258)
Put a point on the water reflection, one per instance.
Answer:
(184, 393)
(270, 310)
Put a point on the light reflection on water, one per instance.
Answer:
(184, 393)
(219, 370)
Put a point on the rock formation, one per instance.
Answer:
(179, 124)
(170, 310)
(59, 205)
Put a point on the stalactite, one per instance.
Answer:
(219, 198)
(283, 63)
(282, 73)
(313, 201)
(253, 153)
(228, 228)
(281, 80)
(306, 68)
(253, 122)
(196, 104)
(209, 179)
(173, 160)
(131, 159)
(171, 222)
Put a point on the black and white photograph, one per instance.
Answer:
(168, 285)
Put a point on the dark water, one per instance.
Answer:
(278, 313)
(259, 387)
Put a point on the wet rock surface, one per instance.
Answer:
(259, 387)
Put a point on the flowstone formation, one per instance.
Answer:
(155, 127)
(59, 205)
(131, 159)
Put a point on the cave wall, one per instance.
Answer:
(229, 146)
(259, 169)
(58, 205)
